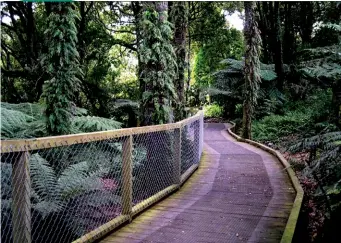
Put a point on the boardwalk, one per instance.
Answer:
(239, 194)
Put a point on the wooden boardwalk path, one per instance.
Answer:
(239, 194)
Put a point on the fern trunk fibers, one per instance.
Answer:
(62, 65)
(179, 14)
(251, 68)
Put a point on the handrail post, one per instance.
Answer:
(21, 202)
(177, 156)
(197, 141)
(201, 141)
(127, 177)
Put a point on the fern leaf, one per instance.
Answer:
(93, 123)
(43, 178)
(75, 181)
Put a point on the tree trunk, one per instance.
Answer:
(158, 68)
(188, 55)
(306, 22)
(289, 40)
(251, 68)
(179, 19)
(278, 57)
(336, 101)
(264, 31)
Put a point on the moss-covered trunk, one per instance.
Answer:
(251, 68)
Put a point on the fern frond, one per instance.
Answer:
(47, 207)
(75, 180)
(6, 180)
(215, 91)
(93, 123)
(12, 121)
(43, 178)
(31, 109)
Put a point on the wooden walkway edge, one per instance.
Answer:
(240, 193)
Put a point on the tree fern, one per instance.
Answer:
(12, 121)
(27, 120)
(82, 181)
(324, 164)
(93, 123)
(43, 178)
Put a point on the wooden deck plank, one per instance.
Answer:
(239, 194)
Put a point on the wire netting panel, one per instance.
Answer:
(74, 189)
(60, 194)
(190, 145)
(153, 165)
(6, 196)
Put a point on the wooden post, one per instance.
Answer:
(127, 177)
(201, 135)
(197, 140)
(177, 156)
(21, 204)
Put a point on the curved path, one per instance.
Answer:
(239, 194)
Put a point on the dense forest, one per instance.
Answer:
(93, 66)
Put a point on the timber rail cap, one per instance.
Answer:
(20, 145)
(126, 147)
(289, 231)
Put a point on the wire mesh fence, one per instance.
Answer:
(61, 189)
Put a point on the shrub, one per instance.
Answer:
(213, 110)
(301, 117)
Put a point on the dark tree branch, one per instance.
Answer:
(8, 26)
(89, 8)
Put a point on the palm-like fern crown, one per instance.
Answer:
(323, 63)
(327, 162)
(27, 120)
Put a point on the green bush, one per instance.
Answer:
(213, 110)
(301, 117)
(274, 126)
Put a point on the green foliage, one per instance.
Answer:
(53, 194)
(179, 17)
(158, 60)
(213, 110)
(61, 63)
(324, 165)
(228, 86)
(301, 117)
(228, 44)
(322, 64)
(27, 120)
(92, 123)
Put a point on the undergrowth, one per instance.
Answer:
(312, 145)
(213, 110)
(301, 117)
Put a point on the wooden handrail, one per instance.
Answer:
(66, 140)
(21, 178)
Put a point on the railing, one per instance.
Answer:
(79, 187)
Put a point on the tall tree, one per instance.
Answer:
(251, 68)
(20, 43)
(289, 34)
(269, 21)
(158, 62)
(278, 57)
(307, 19)
(179, 17)
(62, 63)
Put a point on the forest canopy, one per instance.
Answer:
(90, 66)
